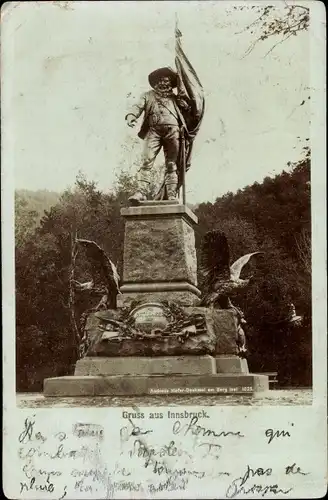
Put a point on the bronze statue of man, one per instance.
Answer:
(162, 126)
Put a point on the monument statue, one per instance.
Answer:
(162, 127)
(153, 330)
(172, 114)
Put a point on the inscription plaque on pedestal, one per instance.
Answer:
(148, 317)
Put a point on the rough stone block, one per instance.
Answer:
(162, 365)
(168, 346)
(225, 326)
(231, 364)
(159, 250)
(70, 386)
(219, 337)
(223, 323)
(159, 254)
(260, 383)
(93, 324)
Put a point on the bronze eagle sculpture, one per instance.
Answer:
(221, 279)
(104, 268)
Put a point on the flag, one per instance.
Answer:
(190, 87)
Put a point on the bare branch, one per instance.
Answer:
(252, 24)
(291, 22)
(278, 43)
(71, 299)
(250, 48)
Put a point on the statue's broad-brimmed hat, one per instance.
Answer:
(159, 73)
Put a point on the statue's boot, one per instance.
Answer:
(171, 183)
(140, 194)
(171, 190)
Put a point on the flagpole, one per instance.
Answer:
(182, 138)
(183, 170)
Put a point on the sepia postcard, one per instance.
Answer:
(164, 249)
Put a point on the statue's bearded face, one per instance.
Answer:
(164, 84)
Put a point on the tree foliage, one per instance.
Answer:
(42, 274)
(273, 216)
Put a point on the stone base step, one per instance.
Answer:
(139, 365)
(160, 365)
(123, 385)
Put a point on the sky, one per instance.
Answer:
(73, 69)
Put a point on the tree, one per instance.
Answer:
(303, 244)
(25, 221)
(276, 23)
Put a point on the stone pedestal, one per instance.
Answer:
(165, 375)
(159, 265)
(159, 254)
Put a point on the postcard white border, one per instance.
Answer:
(318, 410)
